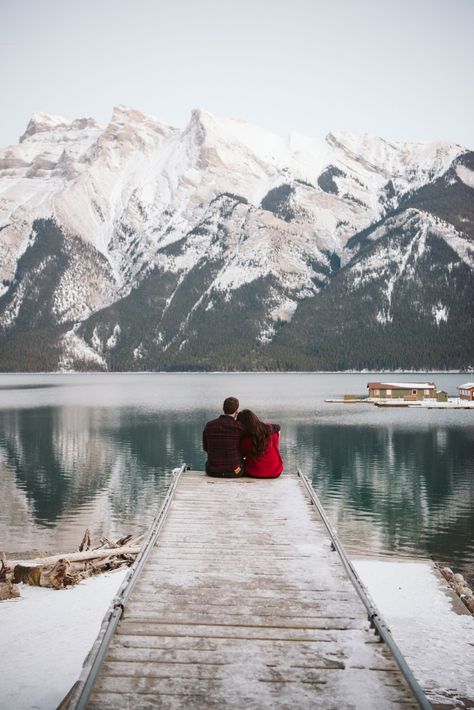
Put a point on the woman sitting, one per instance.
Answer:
(259, 446)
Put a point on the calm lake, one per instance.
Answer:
(97, 451)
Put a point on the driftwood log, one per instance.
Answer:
(8, 590)
(60, 571)
(97, 554)
(3, 569)
(86, 541)
(60, 575)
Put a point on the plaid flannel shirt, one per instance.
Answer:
(221, 439)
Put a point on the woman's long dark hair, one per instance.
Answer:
(258, 431)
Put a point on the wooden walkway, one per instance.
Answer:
(243, 604)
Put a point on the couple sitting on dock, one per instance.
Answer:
(238, 444)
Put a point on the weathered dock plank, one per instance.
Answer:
(244, 603)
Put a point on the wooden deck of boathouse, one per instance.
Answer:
(242, 602)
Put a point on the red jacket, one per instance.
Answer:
(270, 463)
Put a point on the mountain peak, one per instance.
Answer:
(395, 159)
(41, 122)
(201, 120)
(127, 121)
(354, 141)
(127, 113)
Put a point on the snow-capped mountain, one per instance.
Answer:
(139, 245)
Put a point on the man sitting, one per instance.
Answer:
(221, 439)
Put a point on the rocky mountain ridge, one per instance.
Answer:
(223, 246)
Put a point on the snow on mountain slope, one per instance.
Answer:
(248, 244)
(408, 165)
(397, 260)
(141, 196)
(94, 174)
(466, 175)
(405, 299)
(32, 173)
(422, 222)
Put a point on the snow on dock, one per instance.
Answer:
(242, 602)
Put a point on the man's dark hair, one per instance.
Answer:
(231, 405)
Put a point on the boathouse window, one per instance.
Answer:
(389, 393)
(427, 392)
(376, 393)
(413, 391)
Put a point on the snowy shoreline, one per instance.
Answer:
(47, 634)
(428, 624)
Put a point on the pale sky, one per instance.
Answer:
(402, 69)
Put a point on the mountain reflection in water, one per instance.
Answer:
(414, 487)
(64, 459)
(391, 482)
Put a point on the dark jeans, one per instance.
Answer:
(225, 474)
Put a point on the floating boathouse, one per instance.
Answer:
(409, 391)
(466, 391)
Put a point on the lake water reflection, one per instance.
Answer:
(96, 451)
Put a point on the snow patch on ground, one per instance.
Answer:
(440, 313)
(237, 275)
(138, 352)
(436, 641)
(46, 635)
(96, 341)
(267, 334)
(112, 341)
(11, 311)
(466, 175)
(383, 317)
(75, 348)
(284, 311)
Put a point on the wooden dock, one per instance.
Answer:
(243, 603)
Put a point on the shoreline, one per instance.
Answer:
(238, 372)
